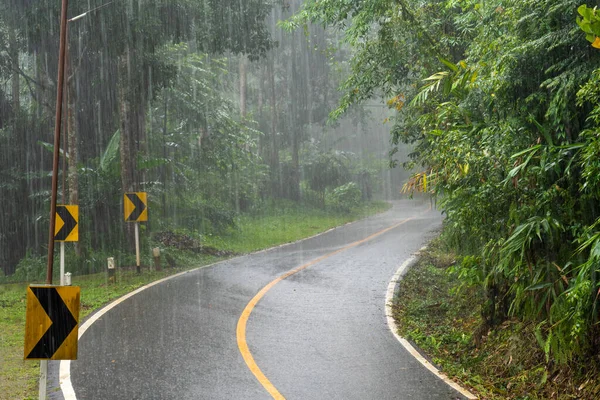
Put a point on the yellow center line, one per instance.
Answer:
(242, 322)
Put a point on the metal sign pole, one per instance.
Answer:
(62, 263)
(43, 378)
(137, 247)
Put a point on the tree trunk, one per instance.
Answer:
(274, 159)
(140, 144)
(296, 123)
(261, 118)
(243, 86)
(308, 65)
(163, 168)
(72, 142)
(126, 147)
(295, 178)
(14, 60)
(13, 219)
(243, 91)
(39, 91)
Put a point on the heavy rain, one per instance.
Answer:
(219, 199)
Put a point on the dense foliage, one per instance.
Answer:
(208, 106)
(501, 101)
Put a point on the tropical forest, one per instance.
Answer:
(254, 123)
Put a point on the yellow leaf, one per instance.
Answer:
(424, 183)
(474, 77)
(596, 43)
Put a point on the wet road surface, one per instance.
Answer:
(318, 334)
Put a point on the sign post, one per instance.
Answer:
(55, 159)
(50, 319)
(66, 230)
(137, 247)
(43, 378)
(135, 208)
(62, 263)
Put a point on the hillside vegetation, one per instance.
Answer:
(501, 100)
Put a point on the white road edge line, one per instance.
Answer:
(64, 373)
(65, 365)
(389, 298)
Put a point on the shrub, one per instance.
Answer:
(30, 268)
(344, 198)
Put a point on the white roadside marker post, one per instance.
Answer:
(137, 247)
(62, 263)
(156, 256)
(43, 378)
(112, 279)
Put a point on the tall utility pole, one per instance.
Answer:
(59, 101)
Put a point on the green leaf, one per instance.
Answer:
(585, 12)
(50, 148)
(449, 64)
(530, 149)
(595, 252)
(539, 286)
(584, 25)
(110, 154)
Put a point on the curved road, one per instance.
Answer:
(320, 333)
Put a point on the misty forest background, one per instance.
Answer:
(208, 106)
(215, 110)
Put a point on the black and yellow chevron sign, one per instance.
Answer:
(67, 227)
(135, 207)
(51, 323)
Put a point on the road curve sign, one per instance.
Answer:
(51, 323)
(67, 223)
(135, 207)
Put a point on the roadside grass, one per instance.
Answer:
(285, 224)
(439, 314)
(18, 378)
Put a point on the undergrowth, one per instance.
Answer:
(441, 315)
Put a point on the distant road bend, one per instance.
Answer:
(301, 321)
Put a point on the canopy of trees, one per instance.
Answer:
(208, 106)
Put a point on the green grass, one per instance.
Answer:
(278, 226)
(507, 363)
(284, 225)
(17, 377)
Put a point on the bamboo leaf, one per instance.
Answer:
(449, 64)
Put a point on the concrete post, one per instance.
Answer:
(112, 278)
(156, 256)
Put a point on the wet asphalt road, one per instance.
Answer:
(319, 334)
